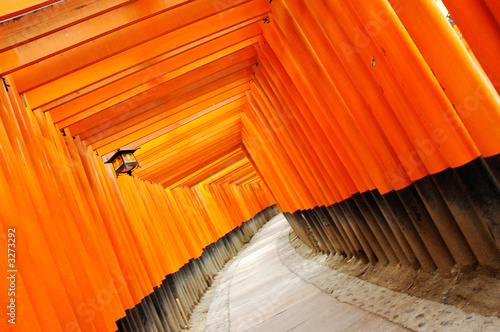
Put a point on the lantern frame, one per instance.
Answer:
(123, 161)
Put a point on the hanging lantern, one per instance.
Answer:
(123, 161)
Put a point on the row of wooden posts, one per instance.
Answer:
(89, 246)
(376, 128)
(159, 310)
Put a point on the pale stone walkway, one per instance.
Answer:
(258, 293)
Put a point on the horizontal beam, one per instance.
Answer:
(157, 147)
(84, 75)
(151, 94)
(48, 20)
(192, 155)
(136, 17)
(158, 101)
(183, 146)
(224, 172)
(150, 63)
(173, 118)
(162, 127)
(222, 151)
(210, 170)
(142, 80)
(120, 129)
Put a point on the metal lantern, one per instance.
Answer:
(123, 161)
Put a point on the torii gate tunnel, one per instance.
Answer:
(374, 126)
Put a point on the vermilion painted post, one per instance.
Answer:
(481, 31)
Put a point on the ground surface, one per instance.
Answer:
(473, 292)
(269, 286)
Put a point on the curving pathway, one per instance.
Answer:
(258, 293)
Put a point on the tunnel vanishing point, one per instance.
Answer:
(374, 126)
